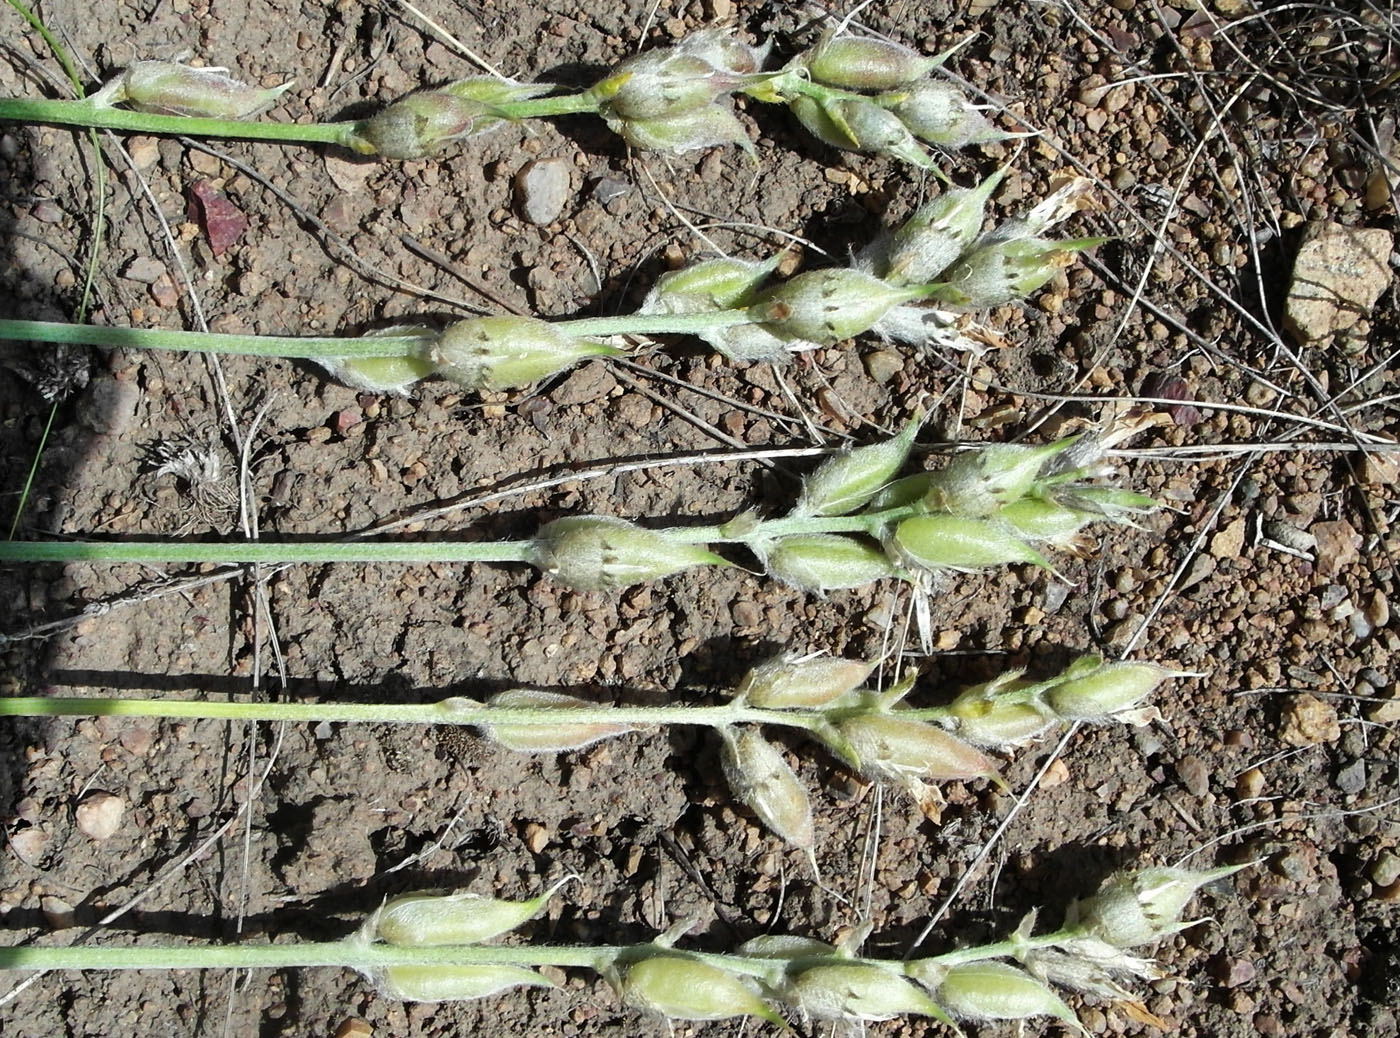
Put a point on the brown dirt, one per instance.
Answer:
(1304, 943)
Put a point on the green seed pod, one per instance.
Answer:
(1135, 908)
(902, 493)
(1039, 519)
(1110, 689)
(879, 131)
(977, 483)
(763, 782)
(999, 720)
(826, 306)
(997, 991)
(595, 552)
(786, 946)
(387, 374)
(824, 561)
(887, 746)
(706, 286)
(426, 920)
(505, 352)
(1002, 270)
(785, 683)
(858, 63)
(938, 233)
(682, 988)
(659, 84)
(455, 983)
(844, 483)
(934, 542)
(418, 126)
(169, 88)
(705, 127)
(938, 112)
(548, 738)
(858, 992)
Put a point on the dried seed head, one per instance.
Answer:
(826, 306)
(673, 81)
(422, 920)
(1097, 690)
(859, 63)
(785, 683)
(706, 286)
(939, 113)
(705, 127)
(761, 780)
(1134, 908)
(975, 484)
(726, 52)
(504, 352)
(753, 343)
(594, 553)
(934, 542)
(548, 738)
(937, 234)
(858, 991)
(1002, 270)
(454, 983)
(844, 483)
(824, 561)
(887, 746)
(682, 988)
(997, 991)
(169, 88)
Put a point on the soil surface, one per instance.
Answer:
(1214, 137)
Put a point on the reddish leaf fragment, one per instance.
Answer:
(222, 222)
(1170, 387)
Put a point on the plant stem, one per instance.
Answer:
(360, 955)
(84, 113)
(539, 107)
(301, 347)
(195, 552)
(654, 324)
(457, 710)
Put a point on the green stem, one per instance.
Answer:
(1012, 948)
(540, 107)
(302, 347)
(271, 552)
(654, 324)
(84, 113)
(456, 710)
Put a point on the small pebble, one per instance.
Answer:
(542, 189)
(99, 816)
(58, 912)
(1308, 721)
(1352, 778)
(1194, 775)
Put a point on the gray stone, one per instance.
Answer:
(542, 189)
(1338, 275)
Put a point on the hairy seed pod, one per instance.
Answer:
(548, 738)
(1108, 689)
(705, 127)
(1000, 721)
(976, 483)
(169, 88)
(997, 991)
(706, 286)
(763, 782)
(938, 233)
(844, 483)
(420, 125)
(785, 683)
(1002, 270)
(826, 306)
(595, 553)
(1133, 908)
(1041, 519)
(424, 920)
(681, 988)
(455, 983)
(859, 63)
(939, 113)
(935, 542)
(858, 992)
(504, 352)
(823, 562)
(887, 746)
